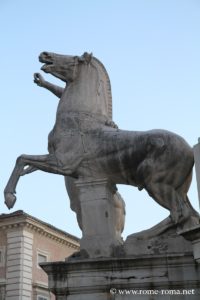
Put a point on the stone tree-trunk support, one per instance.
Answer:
(100, 235)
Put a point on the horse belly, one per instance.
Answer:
(109, 157)
(134, 157)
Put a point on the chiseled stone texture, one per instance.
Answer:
(94, 279)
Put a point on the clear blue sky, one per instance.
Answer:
(151, 50)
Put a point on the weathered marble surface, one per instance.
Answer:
(102, 279)
(86, 146)
(159, 267)
(99, 209)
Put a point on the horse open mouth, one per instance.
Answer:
(45, 58)
(45, 67)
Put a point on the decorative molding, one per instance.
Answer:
(23, 220)
(41, 289)
(40, 285)
(54, 236)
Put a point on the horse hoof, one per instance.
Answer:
(10, 200)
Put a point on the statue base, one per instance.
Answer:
(160, 277)
(159, 268)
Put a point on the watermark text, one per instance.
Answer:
(115, 291)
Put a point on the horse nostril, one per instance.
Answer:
(46, 55)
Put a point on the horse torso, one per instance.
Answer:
(82, 142)
(119, 154)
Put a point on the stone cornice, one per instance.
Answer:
(23, 220)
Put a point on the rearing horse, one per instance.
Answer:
(85, 143)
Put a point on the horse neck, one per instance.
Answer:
(87, 93)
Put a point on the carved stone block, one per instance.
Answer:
(107, 279)
(98, 210)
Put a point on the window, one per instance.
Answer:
(2, 292)
(42, 257)
(2, 256)
(42, 298)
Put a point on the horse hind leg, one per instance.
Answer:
(167, 197)
(191, 216)
(175, 200)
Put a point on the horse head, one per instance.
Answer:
(64, 67)
(88, 83)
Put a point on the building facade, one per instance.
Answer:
(24, 243)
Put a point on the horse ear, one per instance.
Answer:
(86, 57)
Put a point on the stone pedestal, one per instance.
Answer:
(145, 267)
(197, 165)
(98, 213)
(193, 235)
(159, 277)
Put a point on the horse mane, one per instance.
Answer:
(108, 86)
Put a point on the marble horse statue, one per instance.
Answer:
(85, 143)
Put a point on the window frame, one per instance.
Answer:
(42, 253)
(42, 297)
(2, 256)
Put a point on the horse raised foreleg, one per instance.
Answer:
(56, 90)
(26, 164)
